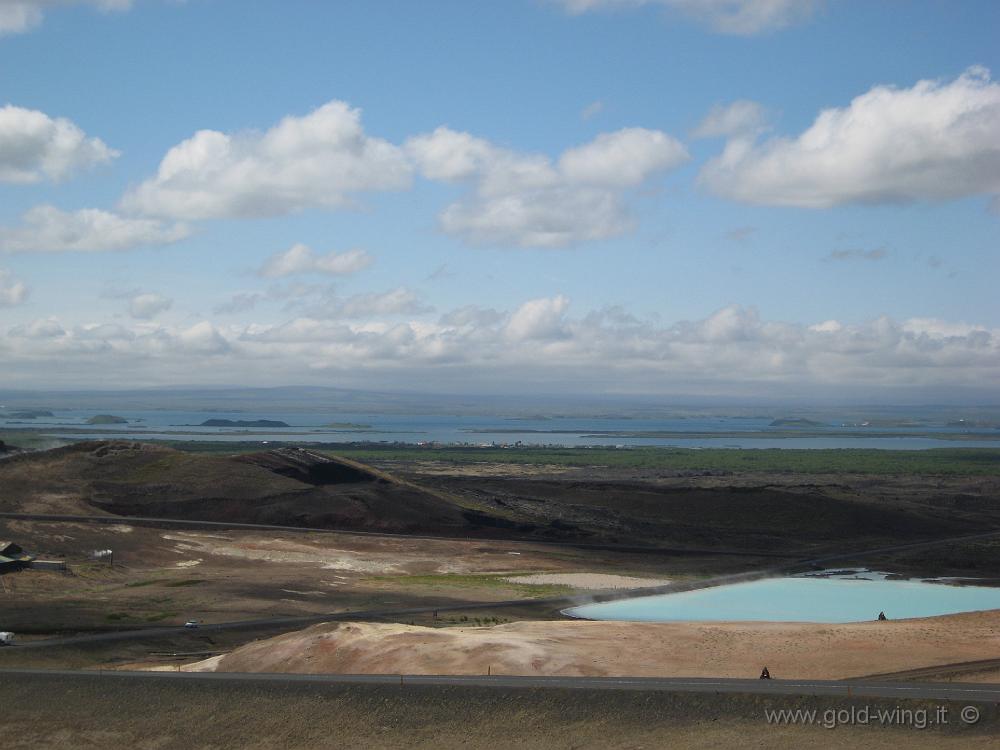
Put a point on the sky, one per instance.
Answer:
(733, 198)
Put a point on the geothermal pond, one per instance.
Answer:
(853, 596)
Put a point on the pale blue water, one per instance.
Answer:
(483, 430)
(799, 599)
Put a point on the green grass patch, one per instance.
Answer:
(159, 616)
(934, 461)
(139, 584)
(959, 461)
(185, 582)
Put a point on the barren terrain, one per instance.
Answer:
(500, 533)
(581, 648)
(87, 712)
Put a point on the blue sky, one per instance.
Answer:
(532, 190)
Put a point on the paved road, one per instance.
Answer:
(927, 691)
(939, 670)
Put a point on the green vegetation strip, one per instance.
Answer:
(942, 461)
(776, 460)
(964, 461)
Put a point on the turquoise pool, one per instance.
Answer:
(800, 599)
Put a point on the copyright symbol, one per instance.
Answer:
(970, 714)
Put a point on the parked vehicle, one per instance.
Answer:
(191, 624)
(6, 638)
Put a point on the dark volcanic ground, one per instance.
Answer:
(771, 514)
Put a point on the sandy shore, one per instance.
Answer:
(799, 650)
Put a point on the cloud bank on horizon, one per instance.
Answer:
(241, 224)
(540, 343)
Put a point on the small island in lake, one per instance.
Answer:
(243, 423)
(107, 419)
(27, 414)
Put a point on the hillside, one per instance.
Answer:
(788, 515)
(286, 487)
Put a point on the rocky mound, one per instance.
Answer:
(582, 648)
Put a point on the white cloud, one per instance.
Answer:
(732, 351)
(34, 146)
(934, 141)
(528, 200)
(471, 316)
(538, 319)
(624, 158)
(202, 338)
(741, 118)
(48, 229)
(742, 17)
(300, 259)
(44, 328)
(18, 16)
(318, 160)
(12, 291)
(149, 305)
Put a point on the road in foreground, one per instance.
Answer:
(949, 691)
(88, 711)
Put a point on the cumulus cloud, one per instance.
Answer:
(319, 160)
(301, 259)
(740, 118)
(529, 200)
(47, 229)
(741, 17)
(471, 315)
(19, 16)
(202, 338)
(34, 146)
(733, 350)
(12, 291)
(149, 305)
(934, 141)
(538, 319)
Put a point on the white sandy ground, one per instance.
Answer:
(580, 648)
(284, 551)
(589, 581)
(196, 546)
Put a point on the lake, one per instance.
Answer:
(331, 426)
(800, 599)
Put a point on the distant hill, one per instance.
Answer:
(107, 419)
(286, 486)
(27, 414)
